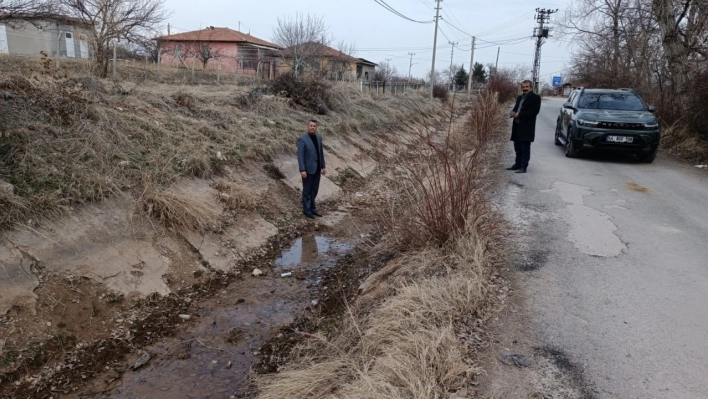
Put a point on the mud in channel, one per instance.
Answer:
(212, 358)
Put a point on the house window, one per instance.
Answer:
(69, 35)
(248, 57)
(178, 51)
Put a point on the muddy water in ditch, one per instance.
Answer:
(211, 358)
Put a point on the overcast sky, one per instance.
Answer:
(380, 34)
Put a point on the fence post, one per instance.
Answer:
(218, 71)
(193, 69)
(59, 49)
(115, 58)
(377, 87)
(159, 61)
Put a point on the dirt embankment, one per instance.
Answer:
(127, 214)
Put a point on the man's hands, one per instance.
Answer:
(304, 174)
(516, 115)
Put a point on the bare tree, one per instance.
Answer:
(683, 30)
(202, 47)
(302, 37)
(448, 74)
(112, 20)
(12, 9)
(344, 59)
(385, 72)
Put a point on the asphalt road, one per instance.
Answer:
(614, 266)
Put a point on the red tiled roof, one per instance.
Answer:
(325, 51)
(213, 34)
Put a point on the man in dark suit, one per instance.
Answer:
(523, 130)
(310, 159)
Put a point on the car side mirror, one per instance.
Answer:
(568, 105)
(651, 109)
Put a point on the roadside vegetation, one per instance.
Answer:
(410, 332)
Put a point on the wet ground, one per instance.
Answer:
(212, 357)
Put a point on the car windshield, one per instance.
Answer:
(619, 101)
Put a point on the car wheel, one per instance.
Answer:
(570, 150)
(558, 132)
(648, 157)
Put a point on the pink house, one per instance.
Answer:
(221, 48)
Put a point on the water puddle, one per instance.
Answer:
(212, 358)
(308, 249)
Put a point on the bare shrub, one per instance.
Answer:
(175, 209)
(438, 183)
(441, 92)
(235, 196)
(183, 99)
(505, 88)
(310, 91)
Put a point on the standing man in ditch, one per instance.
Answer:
(310, 159)
(523, 128)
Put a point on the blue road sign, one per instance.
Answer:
(557, 81)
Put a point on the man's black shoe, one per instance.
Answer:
(521, 170)
(309, 216)
(316, 213)
(514, 167)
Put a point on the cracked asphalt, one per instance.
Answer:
(613, 266)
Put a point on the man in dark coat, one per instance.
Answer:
(311, 161)
(523, 130)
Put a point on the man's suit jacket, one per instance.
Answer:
(307, 156)
(525, 128)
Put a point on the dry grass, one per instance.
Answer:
(71, 141)
(438, 179)
(175, 209)
(405, 345)
(235, 196)
(685, 144)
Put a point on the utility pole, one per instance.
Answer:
(168, 29)
(435, 43)
(410, 67)
(452, 75)
(469, 78)
(496, 64)
(541, 33)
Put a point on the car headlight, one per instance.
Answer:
(651, 126)
(583, 122)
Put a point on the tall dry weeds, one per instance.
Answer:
(439, 182)
(406, 345)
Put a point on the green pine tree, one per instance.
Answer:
(479, 75)
(461, 77)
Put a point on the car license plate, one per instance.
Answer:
(619, 139)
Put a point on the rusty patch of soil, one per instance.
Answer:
(636, 187)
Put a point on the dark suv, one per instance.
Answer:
(607, 118)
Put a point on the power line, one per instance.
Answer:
(455, 27)
(504, 25)
(383, 4)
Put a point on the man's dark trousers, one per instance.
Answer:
(310, 187)
(523, 153)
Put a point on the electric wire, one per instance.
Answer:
(383, 4)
